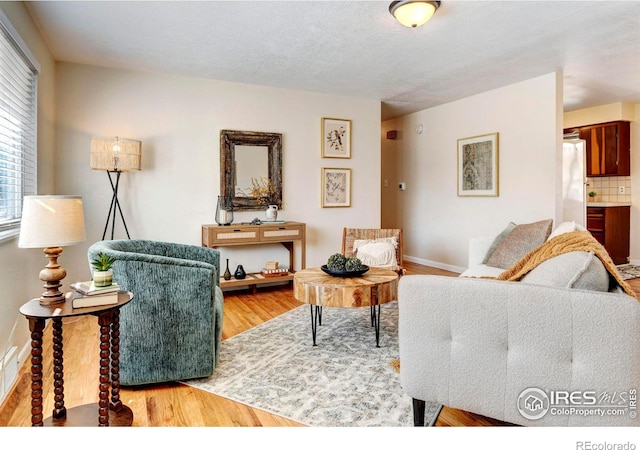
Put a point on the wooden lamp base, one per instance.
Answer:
(52, 274)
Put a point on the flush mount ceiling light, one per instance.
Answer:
(411, 13)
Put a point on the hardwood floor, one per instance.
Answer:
(174, 404)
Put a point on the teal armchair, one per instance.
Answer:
(172, 328)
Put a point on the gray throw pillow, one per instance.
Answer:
(522, 239)
(574, 270)
(497, 241)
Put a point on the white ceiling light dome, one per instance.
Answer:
(412, 13)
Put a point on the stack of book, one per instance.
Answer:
(278, 272)
(86, 294)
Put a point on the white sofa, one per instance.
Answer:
(499, 348)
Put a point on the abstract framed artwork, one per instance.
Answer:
(336, 138)
(336, 187)
(478, 166)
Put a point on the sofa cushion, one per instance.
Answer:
(522, 239)
(575, 270)
(482, 271)
(498, 240)
(565, 227)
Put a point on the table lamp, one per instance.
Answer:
(52, 222)
(115, 155)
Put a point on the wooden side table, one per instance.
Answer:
(104, 413)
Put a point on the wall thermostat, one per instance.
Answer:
(419, 129)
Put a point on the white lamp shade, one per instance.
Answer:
(413, 13)
(115, 154)
(51, 221)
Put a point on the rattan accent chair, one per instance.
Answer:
(349, 235)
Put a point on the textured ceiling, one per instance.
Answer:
(358, 49)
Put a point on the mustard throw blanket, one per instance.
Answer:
(575, 241)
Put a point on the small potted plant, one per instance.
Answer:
(592, 196)
(102, 275)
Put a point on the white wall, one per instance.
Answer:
(599, 114)
(178, 120)
(19, 268)
(437, 223)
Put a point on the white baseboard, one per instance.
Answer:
(8, 372)
(437, 265)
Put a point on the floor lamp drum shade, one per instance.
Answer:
(115, 154)
(52, 222)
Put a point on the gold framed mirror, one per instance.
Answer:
(246, 156)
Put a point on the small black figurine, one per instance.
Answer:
(240, 274)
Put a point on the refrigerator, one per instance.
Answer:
(574, 180)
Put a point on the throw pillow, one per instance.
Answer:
(360, 242)
(574, 270)
(565, 227)
(377, 254)
(522, 239)
(498, 240)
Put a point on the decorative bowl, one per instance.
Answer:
(344, 273)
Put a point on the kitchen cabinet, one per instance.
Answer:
(607, 147)
(610, 226)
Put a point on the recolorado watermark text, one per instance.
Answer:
(588, 445)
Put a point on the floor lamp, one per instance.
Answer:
(115, 155)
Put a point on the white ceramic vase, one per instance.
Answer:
(272, 213)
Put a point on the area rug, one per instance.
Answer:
(628, 271)
(345, 381)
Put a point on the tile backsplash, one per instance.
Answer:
(607, 188)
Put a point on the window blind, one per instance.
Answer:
(18, 99)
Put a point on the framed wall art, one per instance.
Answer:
(336, 187)
(478, 166)
(336, 138)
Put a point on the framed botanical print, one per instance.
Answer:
(336, 138)
(336, 187)
(478, 166)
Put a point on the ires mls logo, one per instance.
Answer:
(534, 403)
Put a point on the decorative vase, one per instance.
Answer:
(224, 211)
(103, 278)
(227, 274)
(240, 274)
(272, 213)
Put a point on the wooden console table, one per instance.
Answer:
(107, 411)
(287, 234)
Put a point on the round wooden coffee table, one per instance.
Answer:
(318, 289)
